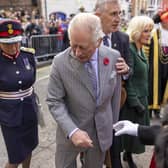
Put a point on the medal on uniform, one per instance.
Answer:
(26, 63)
(115, 45)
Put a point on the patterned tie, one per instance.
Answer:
(92, 75)
(105, 41)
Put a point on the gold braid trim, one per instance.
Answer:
(146, 49)
(165, 97)
(155, 71)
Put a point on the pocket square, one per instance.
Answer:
(113, 74)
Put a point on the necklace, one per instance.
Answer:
(163, 51)
(163, 56)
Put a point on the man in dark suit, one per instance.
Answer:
(109, 12)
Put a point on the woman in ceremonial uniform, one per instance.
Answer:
(18, 109)
(157, 54)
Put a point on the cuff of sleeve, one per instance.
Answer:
(69, 136)
(136, 129)
(126, 76)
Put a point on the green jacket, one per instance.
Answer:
(137, 99)
(137, 85)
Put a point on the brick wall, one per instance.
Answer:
(17, 4)
(14, 3)
(165, 4)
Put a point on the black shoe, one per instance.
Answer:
(127, 157)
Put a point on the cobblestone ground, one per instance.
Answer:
(44, 155)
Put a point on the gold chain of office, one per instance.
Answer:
(163, 56)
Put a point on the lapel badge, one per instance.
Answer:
(115, 45)
(10, 30)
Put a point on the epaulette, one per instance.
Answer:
(30, 50)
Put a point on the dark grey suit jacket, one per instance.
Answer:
(120, 42)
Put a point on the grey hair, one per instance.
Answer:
(100, 4)
(137, 25)
(89, 22)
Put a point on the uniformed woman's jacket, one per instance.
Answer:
(17, 75)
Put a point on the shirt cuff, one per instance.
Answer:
(69, 136)
(126, 76)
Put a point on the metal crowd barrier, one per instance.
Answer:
(46, 46)
(25, 41)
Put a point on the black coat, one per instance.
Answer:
(148, 134)
(120, 42)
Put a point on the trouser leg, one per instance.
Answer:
(93, 157)
(65, 158)
(115, 153)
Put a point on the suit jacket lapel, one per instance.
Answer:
(82, 74)
(115, 41)
(142, 56)
(102, 72)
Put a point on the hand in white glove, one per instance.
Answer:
(125, 127)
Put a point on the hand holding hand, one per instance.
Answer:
(125, 127)
(121, 66)
(81, 138)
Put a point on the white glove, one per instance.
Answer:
(125, 127)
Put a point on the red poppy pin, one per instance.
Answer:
(106, 61)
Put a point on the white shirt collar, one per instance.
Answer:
(94, 56)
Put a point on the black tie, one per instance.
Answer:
(105, 41)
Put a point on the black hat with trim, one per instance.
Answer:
(10, 31)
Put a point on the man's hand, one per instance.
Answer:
(81, 139)
(121, 66)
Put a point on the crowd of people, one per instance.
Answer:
(103, 76)
(34, 24)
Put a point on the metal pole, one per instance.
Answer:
(45, 5)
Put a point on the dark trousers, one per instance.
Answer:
(115, 152)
